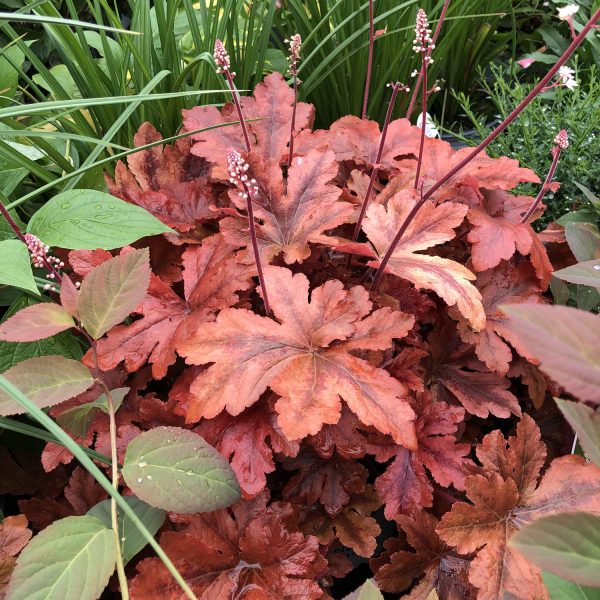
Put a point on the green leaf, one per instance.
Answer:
(567, 545)
(132, 539)
(114, 289)
(11, 174)
(594, 200)
(370, 591)
(583, 240)
(88, 219)
(15, 266)
(78, 420)
(12, 353)
(583, 273)
(561, 589)
(586, 423)
(175, 469)
(72, 559)
(46, 380)
(36, 322)
(11, 60)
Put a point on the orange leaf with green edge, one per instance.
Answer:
(36, 323)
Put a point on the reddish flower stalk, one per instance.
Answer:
(423, 45)
(396, 88)
(369, 60)
(484, 144)
(238, 169)
(436, 34)
(561, 142)
(223, 66)
(37, 249)
(295, 43)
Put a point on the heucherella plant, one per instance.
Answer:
(258, 431)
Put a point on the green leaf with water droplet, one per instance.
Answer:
(15, 266)
(89, 219)
(46, 380)
(111, 291)
(176, 470)
(561, 589)
(72, 559)
(132, 540)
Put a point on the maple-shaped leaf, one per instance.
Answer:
(242, 440)
(357, 140)
(503, 498)
(212, 275)
(353, 525)
(271, 109)
(455, 373)
(167, 181)
(405, 485)
(509, 284)
(481, 172)
(290, 220)
(431, 562)
(330, 482)
(14, 535)
(431, 226)
(497, 229)
(242, 552)
(306, 358)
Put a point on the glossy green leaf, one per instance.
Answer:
(583, 273)
(12, 353)
(132, 540)
(561, 589)
(586, 423)
(567, 545)
(46, 380)
(72, 559)
(11, 174)
(584, 240)
(77, 420)
(15, 266)
(36, 323)
(175, 469)
(89, 219)
(111, 291)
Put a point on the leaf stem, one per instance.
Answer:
(436, 34)
(545, 186)
(293, 125)
(238, 107)
(423, 121)
(484, 144)
(369, 61)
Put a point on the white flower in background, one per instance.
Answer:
(567, 77)
(567, 11)
(431, 131)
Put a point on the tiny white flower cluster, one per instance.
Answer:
(238, 176)
(567, 11)
(295, 43)
(567, 77)
(222, 58)
(562, 139)
(397, 84)
(423, 42)
(40, 257)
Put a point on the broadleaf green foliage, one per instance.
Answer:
(78, 419)
(46, 380)
(113, 290)
(561, 589)
(78, 558)
(132, 540)
(176, 470)
(89, 219)
(15, 266)
(567, 545)
(370, 591)
(586, 423)
(12, 353)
